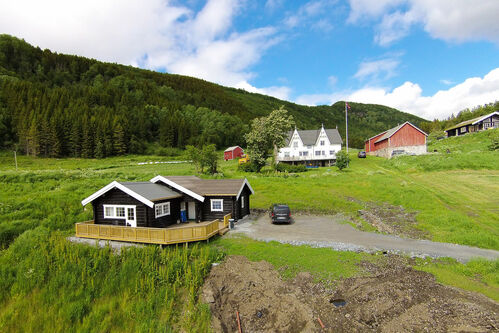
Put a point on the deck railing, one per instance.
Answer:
(171, 235)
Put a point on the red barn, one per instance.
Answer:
(403, 139)
(233, 152)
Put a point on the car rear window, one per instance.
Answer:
(281, 209)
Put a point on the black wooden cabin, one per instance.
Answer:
(167, 200)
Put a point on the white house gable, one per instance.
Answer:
(322, 140)
(295, 141)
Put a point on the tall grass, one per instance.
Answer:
(48, 284)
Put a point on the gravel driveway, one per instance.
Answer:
(329, 231)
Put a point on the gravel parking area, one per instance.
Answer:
(331, 231)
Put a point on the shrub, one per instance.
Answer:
(342, 160)
(283, 167)
(248, 167)
(494, 145)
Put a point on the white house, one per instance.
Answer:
(311, 147)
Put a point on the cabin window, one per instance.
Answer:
(242, 201)
(331, 152)
(120, 211)
(126, 212)
(108, 211)
(486, 125)
(462, 129)
(317, 153)
(305, 153)
(323, 142)
(217, 205)
(131, 214)
(162, 209)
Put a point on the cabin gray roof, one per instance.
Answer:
(392, 131)
(151, 191)
(309, 137)
(206, 187)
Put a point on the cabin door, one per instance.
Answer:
(131, 218)
(191, 213)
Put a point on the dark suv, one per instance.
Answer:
(280, 213)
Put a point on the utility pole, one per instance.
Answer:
(15, 158)
(346, 126)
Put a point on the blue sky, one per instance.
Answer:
(431, 58)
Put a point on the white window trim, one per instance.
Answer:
(162, 208)
(221, 205)
(242, 201)
(119, 206)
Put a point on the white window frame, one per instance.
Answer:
(286, 154)
(331, 152)
(317, 153)
(323, 142)
(295, 144)
(163, 208)
(221, 209)
(115, 216)
(242, 201)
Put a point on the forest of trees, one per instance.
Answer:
(61, 105)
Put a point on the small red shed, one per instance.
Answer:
(403, 139)
(233, 152)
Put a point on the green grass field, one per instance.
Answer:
(454, 196)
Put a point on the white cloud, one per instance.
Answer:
(370, 8)
(450, 20)
(378, 69)
(280, 92)
(447, 82)
(307, 13)
(155, 34)
(409, 98)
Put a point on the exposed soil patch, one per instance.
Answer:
(394, 298)
(393, 220)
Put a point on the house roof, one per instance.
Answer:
(309, 137)
(151, 191)
(232, 148)
(473, 121)
(145, 192)
(372, 137)
(199, 188)
(394, 130)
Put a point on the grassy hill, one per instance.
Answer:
(63, 105)
(81, 288)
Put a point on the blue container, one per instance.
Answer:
(183, 216)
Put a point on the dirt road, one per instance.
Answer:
(329, 231)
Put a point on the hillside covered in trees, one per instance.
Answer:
(62, 105)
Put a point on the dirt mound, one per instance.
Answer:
(394, 220)
(394, 298)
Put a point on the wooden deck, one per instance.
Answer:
(173, 234)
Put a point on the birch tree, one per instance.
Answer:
(268, 134)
